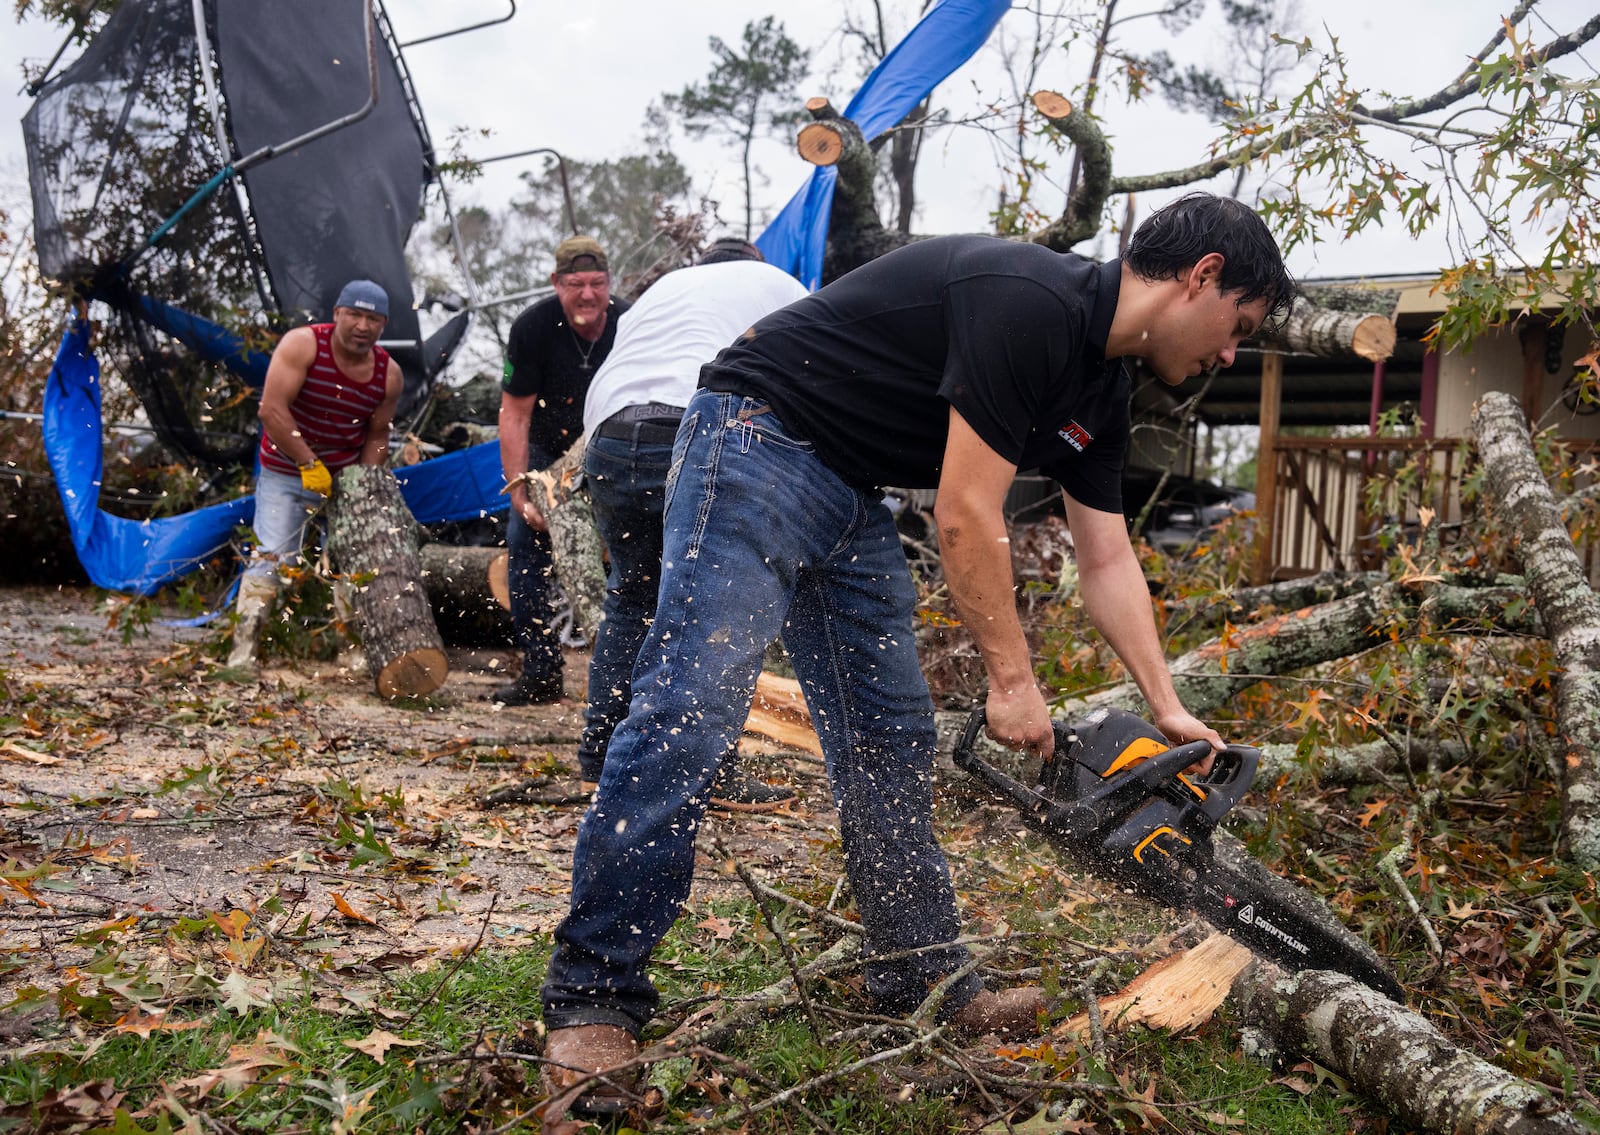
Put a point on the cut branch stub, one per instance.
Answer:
(1052, 105)
(820, 108)
(820, 144)
(1326, 333)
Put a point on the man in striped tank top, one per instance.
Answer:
(328, 401)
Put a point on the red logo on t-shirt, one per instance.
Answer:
(1075, 435)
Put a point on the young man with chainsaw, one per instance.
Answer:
(951, 362)
(329, 397)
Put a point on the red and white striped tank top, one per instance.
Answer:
(332, 409)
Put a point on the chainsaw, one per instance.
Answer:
(1116, 797)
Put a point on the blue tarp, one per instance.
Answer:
(140, 556)
(943, 40)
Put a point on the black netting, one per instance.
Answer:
(116, 144)
(121, 140)
(341, 206)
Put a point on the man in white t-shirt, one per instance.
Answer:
(631, 418)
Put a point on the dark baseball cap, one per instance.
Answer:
(364, 295)
(580, 254)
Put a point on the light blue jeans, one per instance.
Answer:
(284, 507)
(762, 539)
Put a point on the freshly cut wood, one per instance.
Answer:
(467, 607)
(1180, 992)
(779, 714)
(1390, 1054)
(500, 579)
(820, 143)
(1330, 334)
(373, 540)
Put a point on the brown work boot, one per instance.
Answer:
(1008, 1012)
(573, 1055)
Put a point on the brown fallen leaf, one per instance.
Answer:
(349, 911)
(378, 1042)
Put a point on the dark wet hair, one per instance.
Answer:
(729, 248)
(1175, 237)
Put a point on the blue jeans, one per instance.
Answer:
(284, 507)
(761, 537)
(528, 575)
(627, 484)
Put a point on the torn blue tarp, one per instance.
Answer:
(943, 40)
(141, 555)
(118, 553)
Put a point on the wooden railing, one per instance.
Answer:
(1333, 497)
(1324, 514)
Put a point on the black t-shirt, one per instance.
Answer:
(545, 356)
(1010, 334)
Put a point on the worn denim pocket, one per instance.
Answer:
(686, 430)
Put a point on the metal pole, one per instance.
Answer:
(468, 28)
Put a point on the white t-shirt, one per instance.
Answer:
(678, 326)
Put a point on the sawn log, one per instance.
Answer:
(373, 540)
(467, 589)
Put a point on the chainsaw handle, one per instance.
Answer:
(1029, 801)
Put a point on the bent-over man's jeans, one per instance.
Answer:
(762, 538)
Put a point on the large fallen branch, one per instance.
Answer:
(1565, 599)
(1211, 675)
(1392, 1055)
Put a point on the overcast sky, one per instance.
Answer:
(579, 78)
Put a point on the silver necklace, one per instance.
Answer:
(578, 341)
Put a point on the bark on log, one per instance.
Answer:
(1568, 604)
(1392, 1055)
(467, 606)
(373, 539)
(577, 554)
(1313, 330)
(1212, 674)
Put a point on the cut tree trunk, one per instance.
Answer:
(373, 540)
(1566, 602)
(467, 588)
(1391, 1054)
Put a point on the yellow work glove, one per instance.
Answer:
(316, 477)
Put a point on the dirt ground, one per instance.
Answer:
(135, 783)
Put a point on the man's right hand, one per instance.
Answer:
(316, 478)
(522, 501)
(1019, 719)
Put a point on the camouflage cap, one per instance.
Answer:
(580, 254)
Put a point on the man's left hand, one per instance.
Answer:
(1181, 727)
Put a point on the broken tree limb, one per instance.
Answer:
(1566, 601)
(1392, 1055)
(856, 234)
(1081, 219)
(373, 538)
